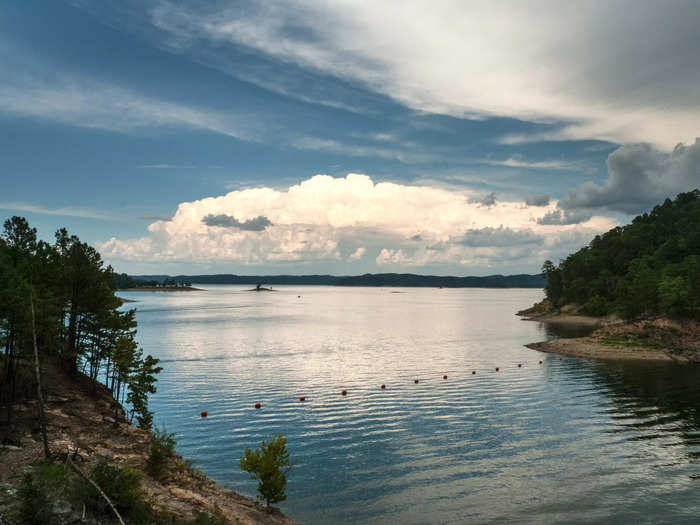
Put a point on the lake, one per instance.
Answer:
(565, 441)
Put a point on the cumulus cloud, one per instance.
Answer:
(639, 176)
(478, 59)
(256, 224)
(538, 200)
(388, 224)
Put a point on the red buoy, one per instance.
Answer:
(444, 377)
(302, 398)
(540, 362)
(344, 393)
(519, 365)
(383, 385)
(473, 372)
(496, 369)
(204, 413)
(258, 405)
(415, 381)
(560, 358)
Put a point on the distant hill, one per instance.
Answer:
(369, 279)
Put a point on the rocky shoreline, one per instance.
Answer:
(657, 339)
(81, 425)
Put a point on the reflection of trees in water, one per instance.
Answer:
(658, 398)
(566, 330)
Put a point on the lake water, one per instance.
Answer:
(570, 441)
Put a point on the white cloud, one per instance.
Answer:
(516, 162)
(71, 211)
(31, 88)
(549, 61)
(357, 254)
(395, 225)
(92, 104)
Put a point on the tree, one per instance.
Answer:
(270, 467)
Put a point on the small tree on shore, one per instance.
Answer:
(269, 465)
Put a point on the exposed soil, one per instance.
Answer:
(658, 339)
(81, 423)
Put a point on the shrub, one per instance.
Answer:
(268, 467)
(38, 490)
(162, 448)
(122, 486)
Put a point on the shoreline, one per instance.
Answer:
(591, 348)
(658, 339)
(81, 423)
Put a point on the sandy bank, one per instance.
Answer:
(590, 347)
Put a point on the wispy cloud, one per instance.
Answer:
(516, 162)
(79, 100)
(359, 150)
(85, 213)
(163, 166)
(422, 55)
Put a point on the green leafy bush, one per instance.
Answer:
(38, 490)
(162, 448)
(121, 484)
(269, 466)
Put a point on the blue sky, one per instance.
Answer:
(131, 124)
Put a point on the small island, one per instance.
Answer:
(637, 285)
(125, 283)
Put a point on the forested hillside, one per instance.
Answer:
(648, 267)
(57, 302)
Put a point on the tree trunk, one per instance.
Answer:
(42, 416)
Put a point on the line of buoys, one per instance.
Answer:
(344, 392)
(204, 413)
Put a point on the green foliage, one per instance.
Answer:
(269, 466)
(596, 306)
(162, 448)
(38, 490)
(648, 267)
(122, 485)
(78, 321)
(141, 383)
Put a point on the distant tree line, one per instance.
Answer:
(649, 267)
(368, 279)
(124, 282)
(69, 292)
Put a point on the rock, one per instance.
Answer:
(62, 507)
